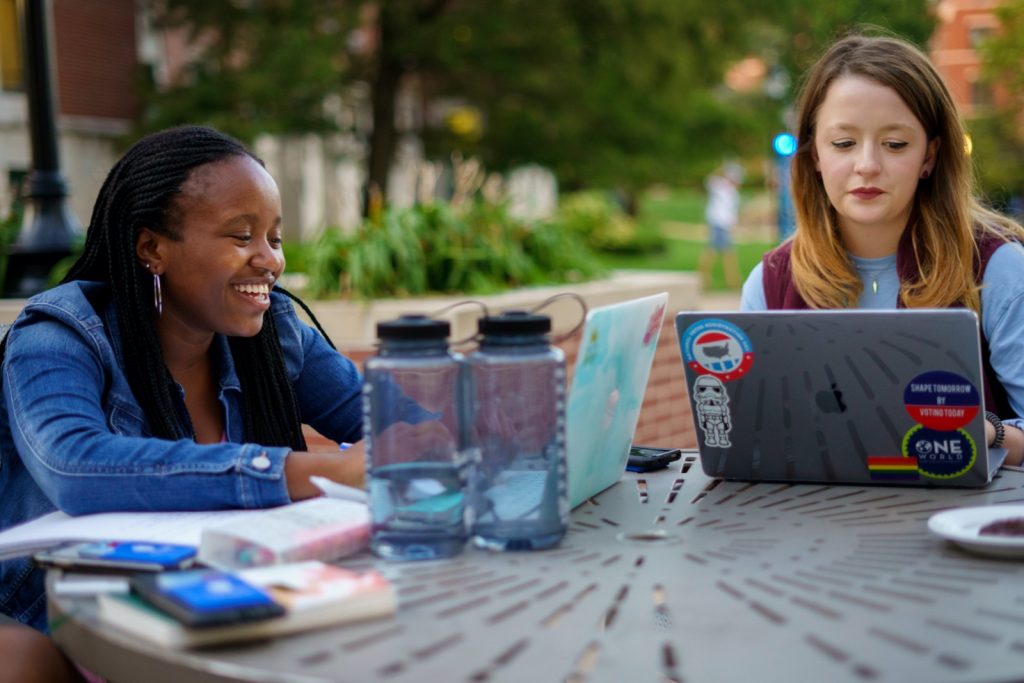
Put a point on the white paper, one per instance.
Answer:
(333, 489)
(184, 528)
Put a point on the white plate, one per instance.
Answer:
(962, 525)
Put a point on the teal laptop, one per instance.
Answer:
(607, 392)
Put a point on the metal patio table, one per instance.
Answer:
(669, 576)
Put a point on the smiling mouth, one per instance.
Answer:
(258, 293)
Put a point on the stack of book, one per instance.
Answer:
(314, 595)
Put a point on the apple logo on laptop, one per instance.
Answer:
(830, 401)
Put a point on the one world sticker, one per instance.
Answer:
(717, 347)
(940, 454)
(941, 400)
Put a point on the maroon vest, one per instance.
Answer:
(780, 293)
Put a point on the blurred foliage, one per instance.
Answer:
(1003, 53)
(596, 219)
(602, 224)
(998, 150)
(805, 28)
(612, 94)
(61, 268)
(476, 248)
(263, 66)
(998, 135)
(9, 228)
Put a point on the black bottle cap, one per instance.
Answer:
(514, 323)
(413, 327)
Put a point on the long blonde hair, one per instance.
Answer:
(946, 216)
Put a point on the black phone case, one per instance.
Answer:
(651, 458)
(147, 587)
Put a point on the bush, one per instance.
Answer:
(9, 227)
(599, 221)
(474, 249)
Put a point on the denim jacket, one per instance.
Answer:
(73, 437)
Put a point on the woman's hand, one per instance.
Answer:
(1013, 442)
(345, 467)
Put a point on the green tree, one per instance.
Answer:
(809, 27)
(1003, 53)
(999, 135)
(262, 66)
(608, 93)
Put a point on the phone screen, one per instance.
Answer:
(206, 597)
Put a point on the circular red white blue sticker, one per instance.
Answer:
(717, 347)
(940, 454)
(941, 400)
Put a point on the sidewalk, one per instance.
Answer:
(718, 301)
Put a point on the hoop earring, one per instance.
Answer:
(158, 296)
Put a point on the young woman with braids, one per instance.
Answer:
(887, 218)
(168, 371)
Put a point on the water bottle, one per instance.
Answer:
(416, 468)
(517, 425)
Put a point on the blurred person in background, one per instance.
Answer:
(721, 214)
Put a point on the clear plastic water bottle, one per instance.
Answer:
(416, 468)
(517, 421)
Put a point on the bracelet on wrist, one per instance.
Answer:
(997, 424)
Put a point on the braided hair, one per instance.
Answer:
(140, 191)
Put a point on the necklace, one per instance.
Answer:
(878, 274)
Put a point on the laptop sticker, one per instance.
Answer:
(893, 468)
(942, 401)
(719, 348)
(940, 454)
(654, 325)
(593, 350)
(712, 405)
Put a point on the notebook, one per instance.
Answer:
(607, 392)
(845, 396)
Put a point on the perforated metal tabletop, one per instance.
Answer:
(664, 577)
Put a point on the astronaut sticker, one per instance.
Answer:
(712, 406)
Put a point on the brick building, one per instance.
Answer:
(962, 26)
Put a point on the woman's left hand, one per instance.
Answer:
(1013, 442)
(345, 467)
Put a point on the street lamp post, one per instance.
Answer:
(49, 227)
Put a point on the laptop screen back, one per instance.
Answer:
(837, 396)
(608, 387)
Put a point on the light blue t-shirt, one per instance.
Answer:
(1002, 310)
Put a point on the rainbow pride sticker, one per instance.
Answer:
(942, 401)
(893, 468)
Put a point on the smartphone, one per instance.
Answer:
(648, 458)
(136, 556)
(205, 597)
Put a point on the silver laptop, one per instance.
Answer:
(845, 396)
(608, 386)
